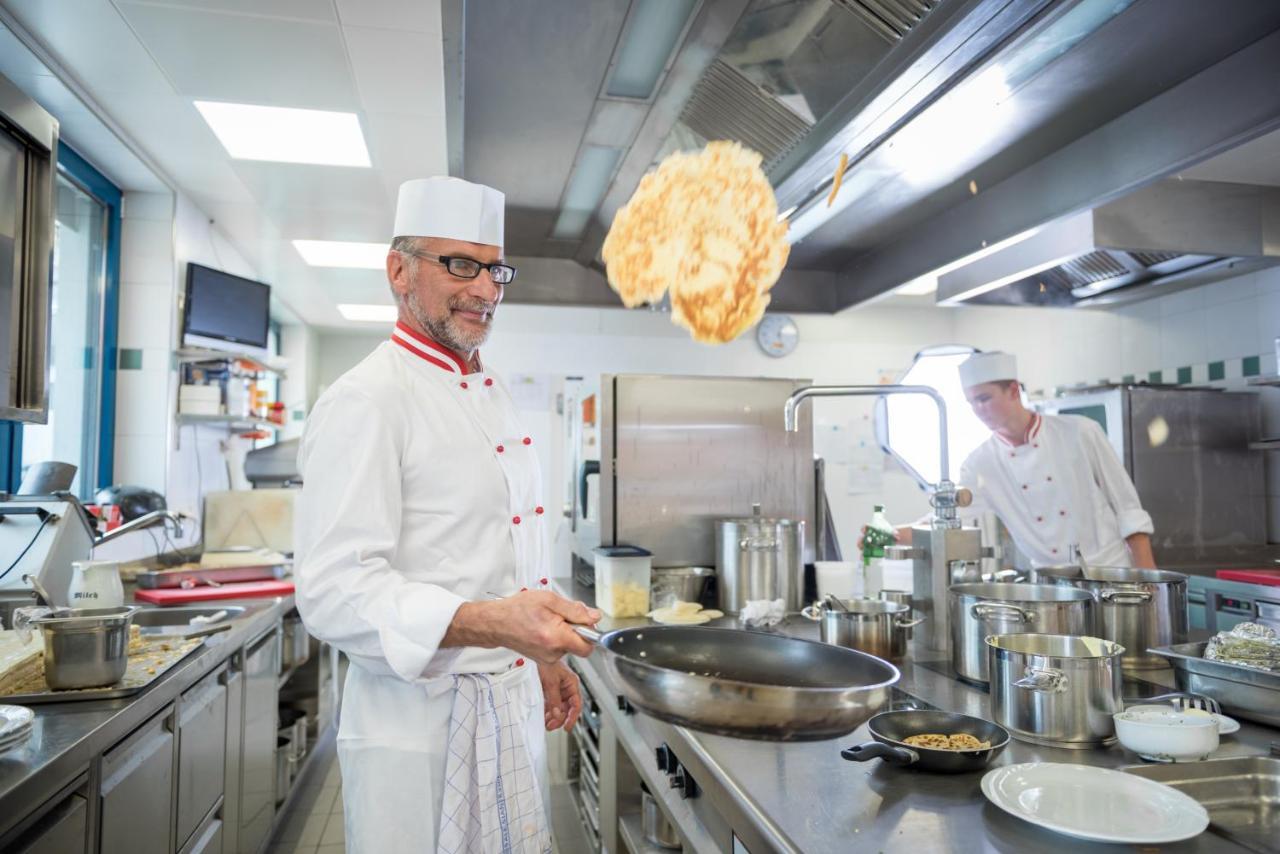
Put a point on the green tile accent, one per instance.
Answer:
(299, 415)
(1251, 365)
(1128, 379)
(1217, 371)
(1184, 375)
(1154, 377)
(130, 360)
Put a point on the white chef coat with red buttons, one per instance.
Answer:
(1063, 486)
(421, 491)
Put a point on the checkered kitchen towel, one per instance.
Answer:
(492, 802)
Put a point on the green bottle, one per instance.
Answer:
(879, 534)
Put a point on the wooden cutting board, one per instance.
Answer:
(241, 590)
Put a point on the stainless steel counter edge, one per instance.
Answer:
(67, 736)
(803, 797)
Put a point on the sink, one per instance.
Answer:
(182, 617)
(1242, 795)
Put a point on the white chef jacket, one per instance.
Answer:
(1063, 487)
(421, 491)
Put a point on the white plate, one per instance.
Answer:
(14, 719)
(1226, 725)
(1095, 803)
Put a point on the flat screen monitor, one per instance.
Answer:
(224, 307)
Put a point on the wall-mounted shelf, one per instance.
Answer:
(186, 355)
(1273, 381)
(231, 422)
(1265, 445)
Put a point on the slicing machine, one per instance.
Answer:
(41, 535)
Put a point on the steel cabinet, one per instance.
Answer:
(62, 830)
(233, 678)
(258, 752)
(202, 733)
(136, 794)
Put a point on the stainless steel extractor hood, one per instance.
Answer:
(1168, 236)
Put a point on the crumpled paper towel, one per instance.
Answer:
(763, 612)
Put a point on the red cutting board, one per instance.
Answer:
(1269, 577)
(240, 590)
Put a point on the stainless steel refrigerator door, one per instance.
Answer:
(686, 451)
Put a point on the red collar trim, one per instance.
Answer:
(420, 345)
(1033, 430)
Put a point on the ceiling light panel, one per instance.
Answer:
(587, 186)
(368, 313)
(652, 33)
(286, 134)
(336, 253)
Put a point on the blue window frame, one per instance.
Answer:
(85, 178)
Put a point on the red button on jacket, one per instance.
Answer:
(515, 520)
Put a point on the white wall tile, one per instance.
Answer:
(1268, 280)
(1182, 338)
(1181, 302)
(1237, 288)
(146, 251)
(146, 316)
(1268, 319)
(139, 460)
(1231, 328)
(142, 401)
(152, 206)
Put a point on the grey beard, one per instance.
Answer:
(445, 330)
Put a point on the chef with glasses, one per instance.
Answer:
(422, 553)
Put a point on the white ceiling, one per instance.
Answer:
(145, 61)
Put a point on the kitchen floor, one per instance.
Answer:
(313, 824)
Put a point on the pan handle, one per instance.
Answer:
(1121, 596)
(588, 633)
(1000, 611)
(904, 623)
(875, 750)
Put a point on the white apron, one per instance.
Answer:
(1064, 486)
(421, 491)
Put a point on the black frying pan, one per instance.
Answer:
(890, 729)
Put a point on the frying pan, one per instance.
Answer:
(890, 729)
(745, 684)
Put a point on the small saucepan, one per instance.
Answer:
(891, 729)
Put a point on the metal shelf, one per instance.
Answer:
(231, 422)
(1265, 445)
(632, 833)
(208, 354)
(1273, 381)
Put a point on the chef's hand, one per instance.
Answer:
(535, 623)
(561, 699)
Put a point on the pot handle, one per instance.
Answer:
(1120, 596)
(875, 750)
(1000, 611)
(904, 623)
(812, 612)
(1048, 680)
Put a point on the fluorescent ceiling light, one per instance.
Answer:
(586, 188)
(652, 33)
(369, 313)
(338, 253)
(919, 287)
(286, 135)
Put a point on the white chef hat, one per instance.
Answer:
(988, 368)
(450, 208)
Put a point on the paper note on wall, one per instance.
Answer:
(866, 468)
(530, 391)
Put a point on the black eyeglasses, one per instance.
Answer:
(468, 268)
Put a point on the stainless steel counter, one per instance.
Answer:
(67, 736)
(803, 797)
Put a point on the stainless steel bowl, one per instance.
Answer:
(678, 584)
(87, 647)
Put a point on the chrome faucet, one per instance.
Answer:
(146, 520)
(944, 491)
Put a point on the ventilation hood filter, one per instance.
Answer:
(1166, 237)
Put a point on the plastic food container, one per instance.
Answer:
(623, 576)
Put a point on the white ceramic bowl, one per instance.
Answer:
(1167, 735)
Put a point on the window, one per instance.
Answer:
(82, 329)
(908, 424)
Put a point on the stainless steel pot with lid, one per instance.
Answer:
(1057, 690)
(980, 610)
(759, 557)
(1137, 608)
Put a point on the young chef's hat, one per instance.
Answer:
(450, 208)
(988, 368)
